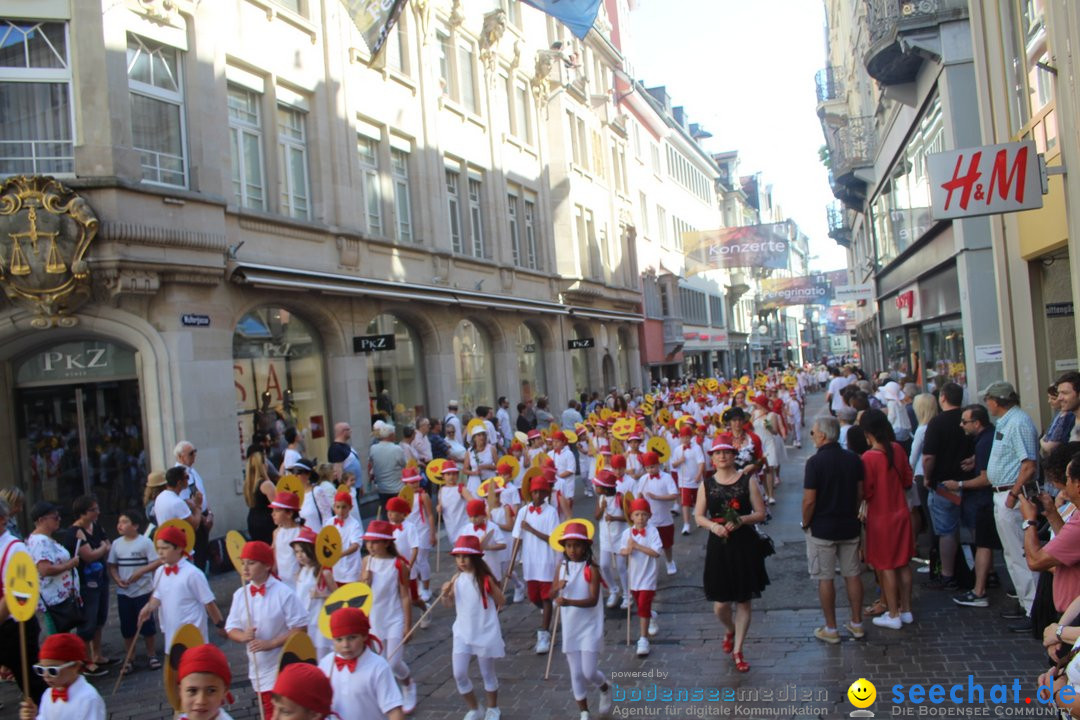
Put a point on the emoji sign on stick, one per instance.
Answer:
(22, 586)
(328, 546)
(354, 595)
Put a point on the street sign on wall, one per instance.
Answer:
(985, 180)
(579, 343)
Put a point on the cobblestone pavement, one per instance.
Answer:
(792, 674)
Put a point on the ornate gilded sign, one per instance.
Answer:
(45, 230)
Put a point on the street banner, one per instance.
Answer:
(578, 15)
(807, 290)
(764, 246)
(837, 320)
(374, 18)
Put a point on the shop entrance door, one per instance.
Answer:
(915, 356)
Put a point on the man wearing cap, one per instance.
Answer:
(452, 418)
(196, 490)
(1011, 468)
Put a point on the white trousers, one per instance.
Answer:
(583, 673)
(1012, 545)
(397, 662)
(613, 570)
(460, 662)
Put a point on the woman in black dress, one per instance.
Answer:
(258, 492)
(728, 505)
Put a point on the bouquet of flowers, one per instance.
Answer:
(731, 514)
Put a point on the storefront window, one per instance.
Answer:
(579, 360)
(530, 363)
(474, 367)
(901, 211)
(278, 375)
(396, 377)
(623, 357)
(897, 361)
(944, 354)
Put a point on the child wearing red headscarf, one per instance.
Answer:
(301, 691)
(204, 678)
(362, 682)
(69, 695)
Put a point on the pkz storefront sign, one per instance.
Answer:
(986, 180)
(373, 343)
(579, 343)
(73, 362)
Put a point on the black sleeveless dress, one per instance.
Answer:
(735, 567)
(259, 521)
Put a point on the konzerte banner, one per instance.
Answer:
(739, 247)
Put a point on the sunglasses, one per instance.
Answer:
(52, 671)
(355, 602)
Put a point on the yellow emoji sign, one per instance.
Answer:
(187, 636)
(22, 586)
(234, 545)
(328, 546)
(485, 487)
(623, 428)
(297, 649)
(407, 493)
(515, 466)
(555, 539)
(185, 527)
(660, 446)
(862, 693)
(434, 471)
(293, 484)
(354, 595)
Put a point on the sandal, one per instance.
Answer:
(729, 643)
(878, 608)
(154, 664)
(740, 664)
(127, 669)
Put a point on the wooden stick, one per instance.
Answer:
(628, 624)
(427, 612)
(25, 661)
(513, 559)
(438, 538)
(251, 655)
(128, 657)
(551, 648)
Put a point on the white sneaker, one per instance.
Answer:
(584, 715)
(887, 621)
(686, 529)
(605, 702)
(907, 618)
(772, 501)
(425, 595)
(492, 713)
(473, 715)
(408, 697)
(425, 622)
(642, 647)
(543, 641)
(653, 627)
(671, 569)
(625, 604)
(519, 595)
(612, 599)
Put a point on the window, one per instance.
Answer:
(368, 150)
(467, 74)
(157, 110)
(637, 139)
(531, 259)
(515, 229)
(655, 158)
(397, 47)
(692, 304)
(523, 124)
(453, 182)
(446, 69)
(293, 5)
(36, 134)
(399, 171)
(643, 205)
(661, 224)
(476, 224)
(716, 311)
(512, 10)
(245, 141)
(292, 157)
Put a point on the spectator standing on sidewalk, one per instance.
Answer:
(1066, 391)
(977, 508)
(832, 491)
(1012, 466)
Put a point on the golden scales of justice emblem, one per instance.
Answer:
(45, 230)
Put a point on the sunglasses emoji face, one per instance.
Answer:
(354, 595)
(22, 586)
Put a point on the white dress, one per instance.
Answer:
(387, 614)
(611, 532)
(453, 509)
(582, 628)
(306, 583)
(476, 628)
(287, 564)
(768, 440)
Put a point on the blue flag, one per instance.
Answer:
(578, 15)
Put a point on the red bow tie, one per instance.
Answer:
(655, 476)
(257, 590)
(636, 531)
(536, 509)
(398, 527)
(172, 569)
(59, 694)
(339, 522)
(479, 528)
(343, 664)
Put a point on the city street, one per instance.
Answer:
(806, 677)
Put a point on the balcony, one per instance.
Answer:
(898, 30)
(673, 335)
(852, 142)
(839, 229)
(830, 87)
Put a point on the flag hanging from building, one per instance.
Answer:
(808, 290)
(578, 15)
(764, 246)
(374, 18)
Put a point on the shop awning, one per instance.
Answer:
(269, 276)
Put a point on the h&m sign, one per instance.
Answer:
(986, 180)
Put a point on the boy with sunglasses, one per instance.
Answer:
(60, 663)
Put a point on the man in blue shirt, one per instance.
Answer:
(977, 506)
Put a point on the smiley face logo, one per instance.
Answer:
(862, 693)
(328, 546)
(22, 586)
(354, 595)
(234, 545)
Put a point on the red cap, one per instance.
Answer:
(560, 435)
(410, 475)
(534, 434)
(547, 463)
(604, 478)
(686, 431)
(63, 647)
(379, 530)
(258, 551)
(305, 685)
(540, 483)
(307, 535)
(516, 446)
(504, 468)
(723, 441)
(762, 401)
(398, 505)
(641, 504)
(203, 659)
(549, 475)
(575, 531)
(449, 467)
(476, 507)
(285, 500)
(343, 496)
(467, 545)
(618, 462)
(349, 621)
(650, 458)
(172, 535)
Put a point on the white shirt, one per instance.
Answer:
(537, 557)
(641, 568)
(387, 614)
(564, 463)
(494, 558)
(835, 386)
(273, 613)
(692, 459)
(453, 419)
(347, 568)
(661, 509)
(506, 430)
(317, 510)
(170, 506)
(453, 509)
(476, 628)
(291, 458)
(406, 540)
(129, 556)
(183, 596)
(367, 693)
(83, 702)
(194, 478)
(284, 558)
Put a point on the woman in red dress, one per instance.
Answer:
(887, 475)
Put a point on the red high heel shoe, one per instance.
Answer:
(729, 643)
(740, 664)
